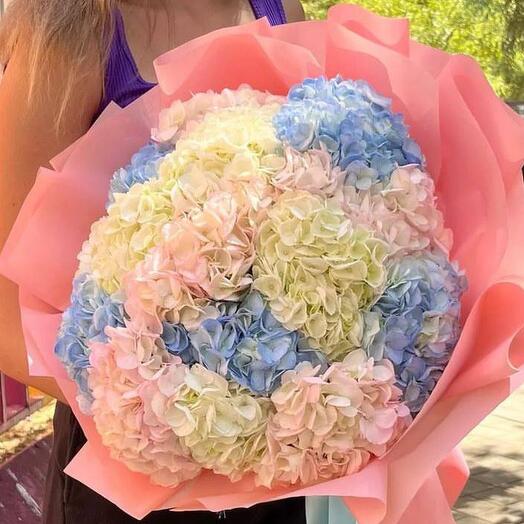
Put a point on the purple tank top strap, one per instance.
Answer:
(272, 9)
(122, 83)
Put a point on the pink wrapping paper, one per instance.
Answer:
(474, 145)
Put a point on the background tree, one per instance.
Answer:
(492, 31)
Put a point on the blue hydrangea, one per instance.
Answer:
(418, 322)
(243, 342)
(143, 167)
(353, 123)
(90, 312)
(176, 341)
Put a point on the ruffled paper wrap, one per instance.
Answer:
(474, 146)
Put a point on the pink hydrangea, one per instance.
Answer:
(309, 171)
(128, 427)
(403, 212)
(177, 119)
(205, 255)
(330, 425)
(155, 291)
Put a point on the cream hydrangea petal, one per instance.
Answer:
(222, 426)
(318, 282)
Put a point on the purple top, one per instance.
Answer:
(123, 83)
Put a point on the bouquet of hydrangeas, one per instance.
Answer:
(267, 293)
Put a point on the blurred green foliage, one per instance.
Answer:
(492, 31)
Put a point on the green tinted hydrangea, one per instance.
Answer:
(317, 271)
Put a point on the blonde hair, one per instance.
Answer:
(72, 33)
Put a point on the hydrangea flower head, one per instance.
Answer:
(84, 323)
(419, 314)
(143, 167)
(317, 271)
(244, 343)
(353, 123)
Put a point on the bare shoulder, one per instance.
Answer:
(294, 10)
(29, 122)
(29, 112)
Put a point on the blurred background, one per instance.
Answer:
(492, 31)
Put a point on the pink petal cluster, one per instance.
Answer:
(330, 425)
(173, 120)
(155, 291)
(309, 171)
(207, 254)
(122, 415)
(404, 212)
(213, 247)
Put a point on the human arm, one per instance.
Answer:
(29, 138)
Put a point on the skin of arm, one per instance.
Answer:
(28, 140)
